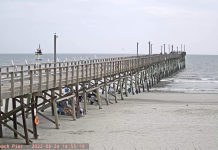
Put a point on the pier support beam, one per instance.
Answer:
(85, 98)
(52, 110)
(55, 109)
(106, 90)
(115, 92)
(33, 107)
(14, 117)
(73, 109)
(121, 88)
(142, 81)
(24, 121)
(77, 102)
(6, 108)
(146, 79)
(98, 96)
(131, 83)
(43, 101)
(73, 104)
(149, 77)
(28, 101)
(136, 84)
(126, 90)
(1, 131)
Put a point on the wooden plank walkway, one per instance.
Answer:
(15, 83)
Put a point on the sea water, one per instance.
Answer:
(199, 76)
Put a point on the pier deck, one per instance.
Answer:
(31, 82)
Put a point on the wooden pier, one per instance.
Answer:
(125, 75)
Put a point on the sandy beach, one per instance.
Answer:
(145, 121)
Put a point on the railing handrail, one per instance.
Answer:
(75, 65)
(90, 60)
(168, 56)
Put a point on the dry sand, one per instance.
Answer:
(146, 121)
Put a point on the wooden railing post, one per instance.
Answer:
(90, 71)
(40, 80)
(7, 71)
(82, 72)
(67, 74)
(72, 79)
(94, 70)
(102, 69)
(47, 78)
(106, 90)
(28, 69)
(31, 81)
(60, 79)
(97, 70)
(78, 74)
(110, 69)
(105, 67)
(12, 84)
(84, 96)
(34, 69)
(87, 69)
(22, 83)
(55, 77)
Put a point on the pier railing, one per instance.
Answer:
(67, 63)
(30, 78)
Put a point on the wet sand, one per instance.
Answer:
(145, 121)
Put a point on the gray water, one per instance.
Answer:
(199, 76)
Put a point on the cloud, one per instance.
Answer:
(117, 2)
(121, 2)
(110, 23)
(176, 12)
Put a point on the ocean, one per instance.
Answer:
(199, 76)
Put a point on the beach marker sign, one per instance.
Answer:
(38, 55)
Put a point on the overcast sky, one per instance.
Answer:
(108, 26)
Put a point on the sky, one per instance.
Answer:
(108, 26)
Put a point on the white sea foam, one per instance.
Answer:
(202, 80)
(196, 81)
(186, 90)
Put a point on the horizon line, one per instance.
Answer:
(102, 53)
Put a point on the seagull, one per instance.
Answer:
(26, 61)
